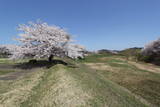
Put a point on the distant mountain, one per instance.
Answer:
(106, 51)
(126, 52)
(130, 51)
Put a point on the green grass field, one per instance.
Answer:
(97, 81)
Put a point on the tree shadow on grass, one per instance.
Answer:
(41, 63)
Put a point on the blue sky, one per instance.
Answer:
(97, 24)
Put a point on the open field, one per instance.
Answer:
(97, 81)
(140, 78)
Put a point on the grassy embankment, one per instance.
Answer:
(97, 81)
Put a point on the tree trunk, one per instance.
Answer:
(50, 58)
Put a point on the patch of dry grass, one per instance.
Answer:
(57, 89)
(141, 79)
(143, 66)
(99, 66)
(104, 92)
(148, 67)
(19, 90)
(64, 93)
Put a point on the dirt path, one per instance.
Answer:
(15, 75)
(6, 66)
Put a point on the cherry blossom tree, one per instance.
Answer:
(3, 49)
(7, 50)
(152, 48)
(40, 40)
(4, 52)
(74, 51)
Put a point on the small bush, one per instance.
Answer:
(33, 61)
(141, 57)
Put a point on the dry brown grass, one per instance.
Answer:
(103, 67)
(64, 93)
(59, 87)
(143, 66)
(99, 66)
(19, 90)
(148, 67)
(110, 58)
(141, 79)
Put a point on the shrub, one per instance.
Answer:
(141, 57)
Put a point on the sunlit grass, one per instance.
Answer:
(141, 82)
(101, 80)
